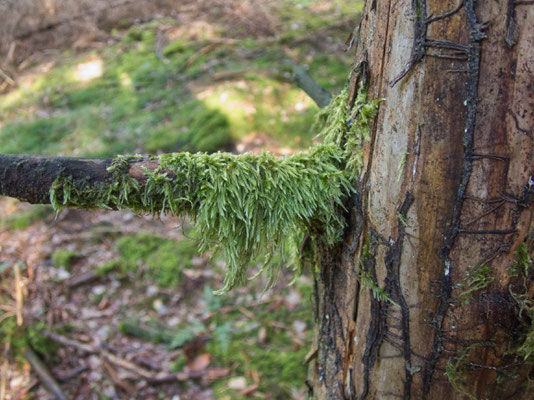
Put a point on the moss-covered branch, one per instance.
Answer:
(244, 206)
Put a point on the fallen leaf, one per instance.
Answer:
(200, 362)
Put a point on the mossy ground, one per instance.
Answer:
(153, 257)
(139, 95)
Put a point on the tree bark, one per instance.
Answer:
(447, 189)
(446, 194)
(30, 178)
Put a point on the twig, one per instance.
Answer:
(44, 375)
(205, 50)
(18, 294)
(82, 279)
(21, 394)
(90, 349)
(210, 374)
(445, 14)
(7, 78)
(10, 53)
(115, 378)
(71, 374)
(317, 93)
(4, 371)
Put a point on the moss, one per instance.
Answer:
(22, 337)
(478, 278)
(197, 129)
(458, 367)
(279, 361)
(244, 206)
(63, 258)
(522, 269)
(523, 262)
(108, 267)
(164, 258)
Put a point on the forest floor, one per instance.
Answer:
(118, 305)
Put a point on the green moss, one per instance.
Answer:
(108, 267)
(244, 206)
(22, 337)
(179, 364)
(279, 361)
(368, 282)
(523, 262)
(164, 258)
(197, 129)
(458, 367)
(63, 258)
(522, 270)
(478, 278)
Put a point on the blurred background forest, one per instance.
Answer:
(117, 305)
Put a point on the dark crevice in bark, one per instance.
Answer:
(473, 71)
(331, 325)
(393, 288)
(419, 39)
(421, 42)
(512, 29)
(377, 326)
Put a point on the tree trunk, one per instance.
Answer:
(423, 300)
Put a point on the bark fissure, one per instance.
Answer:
(473, 71)
(393, 288)
(377, 326)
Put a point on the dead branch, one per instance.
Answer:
(90, 349)
(29, 178)
(44, 375)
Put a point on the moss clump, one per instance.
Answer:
(63, 258)
(244, 205)
(458, 367)
(522, 269)
(22, 337)
(164, 258)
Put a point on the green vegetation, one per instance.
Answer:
(201, 96)
(367, 281)
(63, 258)
(22, 337)
(523, 263)
(478, 278)
(522, 269)
(244, 205)
(279, 360)
(25, 217)
(134, 96)
(163, 258)
(458, 367)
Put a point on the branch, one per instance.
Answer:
(318, 94)
(30, 178)
(244, 205)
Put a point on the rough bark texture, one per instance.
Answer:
(30, 178)
(447, 189)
